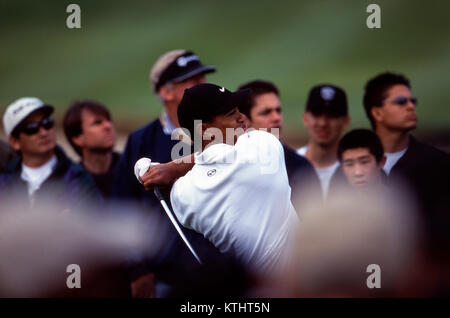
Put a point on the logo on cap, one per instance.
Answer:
(182, 61)
(327, 93)
(222, 89)
(211, 172)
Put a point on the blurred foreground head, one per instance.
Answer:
(41, 250)
(338, 243)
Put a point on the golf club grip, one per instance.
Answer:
(158, 193)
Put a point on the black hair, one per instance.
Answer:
(376, 90)
(258, 87)
(361, 138)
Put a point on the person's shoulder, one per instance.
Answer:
(293, 155)
(428, 152)
(254, 135)
(65, 166)
(302, 151)
(151, 127)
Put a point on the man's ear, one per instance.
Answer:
(248, 122)
(376, 113)
(200, 128)
(78, 140)
(304, 119)
(347, 121)
(166, 92)
(14, 143)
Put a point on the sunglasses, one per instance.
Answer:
(33, 127)
(402, 101)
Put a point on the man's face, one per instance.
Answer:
(398, 111)
(234, 120)
(361, 168)
(38, 144)
(266, 112)
(325, 130)
(98, 132)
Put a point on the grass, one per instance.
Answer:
(295, 44)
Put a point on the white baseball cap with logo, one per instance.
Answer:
(20, 109)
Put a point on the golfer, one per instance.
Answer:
(236, 193)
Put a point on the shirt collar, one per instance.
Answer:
(168, 126)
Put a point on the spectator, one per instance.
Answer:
(264, 111)
(89, 129)
(425, 170)
(42, 171)
(361, 156)
(325, 117)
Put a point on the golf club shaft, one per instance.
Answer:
(160, 197)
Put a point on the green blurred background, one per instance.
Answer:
(295, 44)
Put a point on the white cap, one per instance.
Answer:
(19, 110)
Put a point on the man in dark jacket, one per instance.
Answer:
(263, 111)
(423, 169)
(42, 173)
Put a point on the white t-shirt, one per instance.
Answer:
(391, 160)
(324, 174)
(238, 197)
(34, 177)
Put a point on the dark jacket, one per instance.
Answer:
(68, 188)
(302, 177)
(425, 171)
(6, 154)
(105, 181)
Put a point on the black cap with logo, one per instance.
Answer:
(183, 67)
(205, 101)
(328, 99)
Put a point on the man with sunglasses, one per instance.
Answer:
(42, 172)
(423, 169)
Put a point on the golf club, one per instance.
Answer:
(142, 166)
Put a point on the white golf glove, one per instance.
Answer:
(142, 166)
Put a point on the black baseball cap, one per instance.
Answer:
(205, 101)
(328, 99)
(183, 67)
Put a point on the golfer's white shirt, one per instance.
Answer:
(238, 197)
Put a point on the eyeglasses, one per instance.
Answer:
(33, 128)
(402, 101)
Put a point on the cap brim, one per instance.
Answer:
(328, 111)
(47, 109)
(204, 69)
(237, 99)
